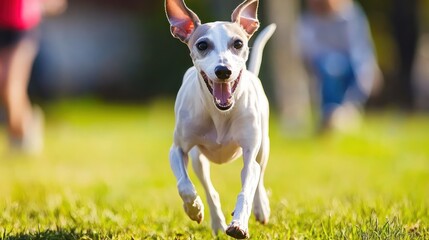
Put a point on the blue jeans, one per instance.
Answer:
(335, 76)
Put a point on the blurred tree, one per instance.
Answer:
(290, 80)
(405, 27)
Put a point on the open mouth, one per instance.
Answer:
(222, 91)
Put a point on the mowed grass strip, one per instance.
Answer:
(105, 174)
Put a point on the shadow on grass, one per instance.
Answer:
(55, 235)
(79, 234)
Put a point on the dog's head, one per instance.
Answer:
(219, 50)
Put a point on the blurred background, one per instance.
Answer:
(123, 51)
(106, 76)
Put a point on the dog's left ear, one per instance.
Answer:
(182, 20)
(246, 14)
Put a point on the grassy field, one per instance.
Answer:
(105, 175)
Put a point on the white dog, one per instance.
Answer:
(221, 113)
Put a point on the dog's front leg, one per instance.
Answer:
(191, 201)
(249, 179)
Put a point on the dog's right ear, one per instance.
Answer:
(246, 14)
(182, 20)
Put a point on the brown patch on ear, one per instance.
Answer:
(249, 25)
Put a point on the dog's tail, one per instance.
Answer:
(258, 48)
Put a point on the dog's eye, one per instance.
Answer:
(202, 46)
(238, 44)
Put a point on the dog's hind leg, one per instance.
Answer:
(201, 167)
(261, 204)
(191, 201)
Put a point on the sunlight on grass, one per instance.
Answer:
(105, 175)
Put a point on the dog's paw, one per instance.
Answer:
(262, 214)
(236, 231)
(194, 209)
(261, 207)
(218, 226)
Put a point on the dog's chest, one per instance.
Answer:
(219, 149)
(217, 142)
(216, 134)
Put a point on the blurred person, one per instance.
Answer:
(336, 46)
(19, 35)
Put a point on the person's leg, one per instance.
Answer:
(341, 97)
(16, 63)
(329, 70)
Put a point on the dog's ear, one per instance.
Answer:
(182, 20)
(246, 14)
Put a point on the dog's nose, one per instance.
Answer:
(222, 72)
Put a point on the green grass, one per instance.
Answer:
(105, 175)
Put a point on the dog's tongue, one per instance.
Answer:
(222, 92)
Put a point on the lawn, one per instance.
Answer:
(105, 174)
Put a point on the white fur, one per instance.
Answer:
(208, 134)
